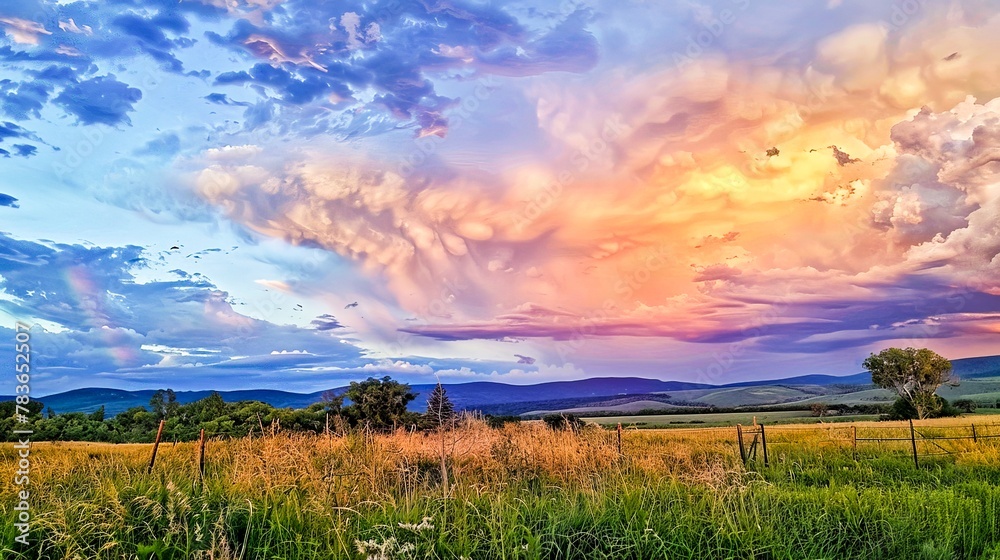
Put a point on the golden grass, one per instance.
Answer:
(96, 500)
(369, 466)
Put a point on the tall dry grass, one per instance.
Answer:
(523, 491)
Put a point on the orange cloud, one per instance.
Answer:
(681, 201)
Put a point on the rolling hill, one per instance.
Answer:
(487, 395)
(590, 395)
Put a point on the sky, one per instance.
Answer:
(294, 194)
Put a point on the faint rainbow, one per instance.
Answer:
(91, 301)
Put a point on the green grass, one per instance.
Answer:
(524, 492)
(747, 396)
(720, 419)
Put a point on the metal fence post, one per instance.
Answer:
(763, 442)
(743, 451)
(913, 442)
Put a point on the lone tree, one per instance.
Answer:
(914, 375)
(441, 415)
(379, 403)
(440, 411)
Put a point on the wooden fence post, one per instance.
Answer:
(913, 442)
(763, 443)
(619, 439)
(156, 445)
(201, 455)
(739, 436)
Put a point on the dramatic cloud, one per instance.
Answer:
(716, 166)
(750, 184)
(954, 157)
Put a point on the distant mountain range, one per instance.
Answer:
(480, 394)
(593, 393)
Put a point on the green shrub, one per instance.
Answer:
(966, 405)
(498, 422)
(563, 421)
(903, 410)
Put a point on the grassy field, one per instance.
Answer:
(521, 492)
(703, 420)
(711, 420)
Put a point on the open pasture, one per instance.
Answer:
(524, 491)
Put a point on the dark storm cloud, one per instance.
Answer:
(102, 100)
(23, 100)
(302, 87)
(11, 130)
(300, 54)
(24, 150)
(151, 31)
(56, 74)
(403, 43)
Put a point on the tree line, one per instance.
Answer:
(382, 405)
(375, 404)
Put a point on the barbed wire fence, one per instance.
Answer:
(758, 444)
